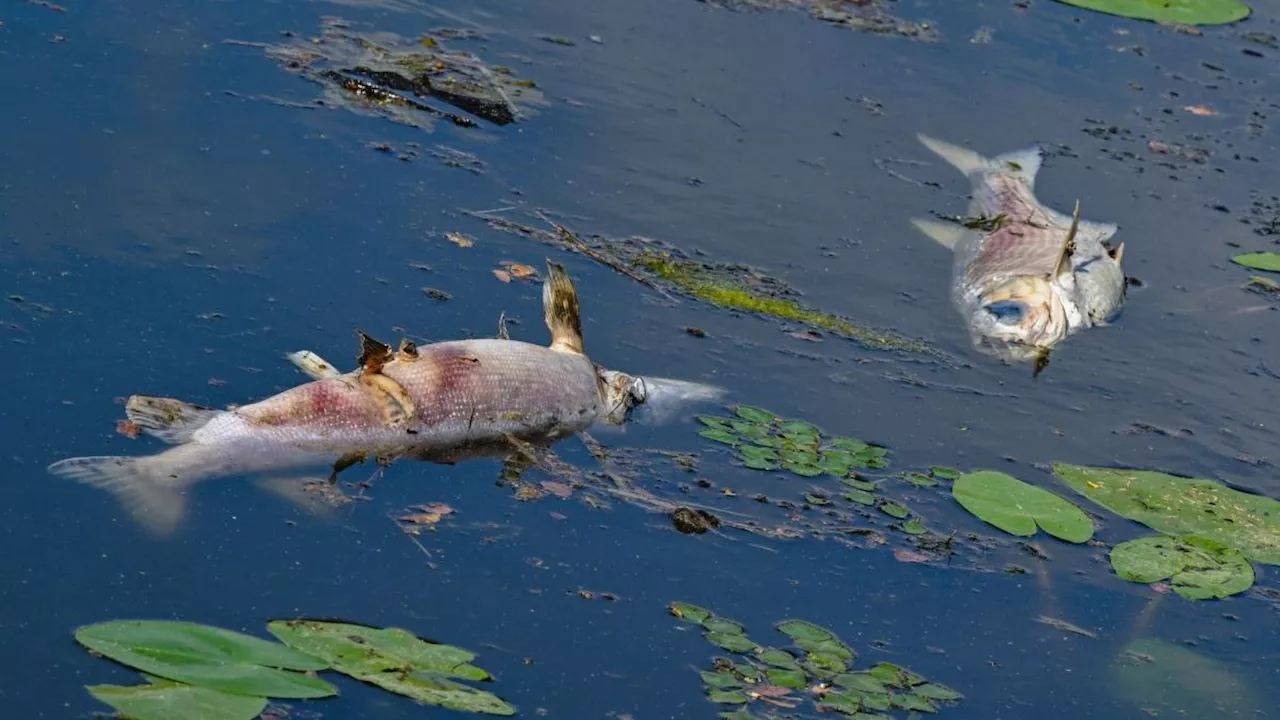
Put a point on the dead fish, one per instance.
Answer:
(1025, 276)
(443, 402)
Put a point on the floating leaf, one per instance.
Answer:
(1200, 568)
(848, 443)
(713, 421)
(1183, 12)
(895, 509)
(165, 700)
(799, 427)
(858, 484)
(755, 414)
(841, 702)
(944, 473)
(733, 642)
(396, 660)
(721, 680)
(759, 463)
(1182, 506)
(721, 625)
(803, 469)
(688, 612)
(207, 657)
(895, 676)
(794, 679)
(1269, 261)
(719, 435)
(726, 697)
(815, 639)
(1017, 507)
(862, 497)
(825, 664)
(861, 682)
(912, 702)
(914, 527)
(920, 480)
(778, 658)
(816, 500)
(1169, 680)
(934, 691)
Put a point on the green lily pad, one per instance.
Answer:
(816, 499)
(858, 484)
(726, 697)
(908, 701)
(1182, 506)
(688, 612)
(1269, 261)
(933, 691)
(803, 469)
(778, 658)
(1184, 12)
(733, 642)
(395, 660)
(1017, 507)
(721, 680)
(944, 473)
(720, 435)
(165, 700)
(863, 682)
(875, 701)
(1168, 680)
(755, 414)
(721, 625)
(851, 444)
(714, 421)
(207, 657)
(914, 527)
(760, 451)
(862, 497)
(815, 639)
(920, 480)
(759, 463)
(1200, 568)
(895, 676)
(794, 679)
(841, 702)
(895, 509)
(739, 714)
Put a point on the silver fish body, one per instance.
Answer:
(1025, 276)
(442, 402)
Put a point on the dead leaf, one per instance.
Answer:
(910, 556)
(428, 514)
(559, 489)
(460, 240)
(521, 271)
(1201, 110)
(809, 335)
(128, 428)
(502, 275)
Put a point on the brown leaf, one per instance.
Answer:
(128, 428)
(428, 514)
(910, 556)
(809, 335)
(770, 691)
(521, 271)
(460, 240)
(1201, 110)
(502, 275)
(557, 488)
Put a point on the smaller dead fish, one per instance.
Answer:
(1025, 276)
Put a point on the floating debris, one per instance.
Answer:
(869, 16)
(405, 79)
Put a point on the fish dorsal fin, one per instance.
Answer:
(945, 234)
(1117, 253)
(373, 353)
(560, 308)
(1063, 266)
(502, 327)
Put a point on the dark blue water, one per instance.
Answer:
(166, 230)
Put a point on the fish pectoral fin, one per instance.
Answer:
(1063, 266)
(312, 365)
(173, 421)
(1117, 253)
(310, 494)
(1042, 362)
(962, 159)
(561, 311)
(945, 234)
(502, 327)
(373, 353)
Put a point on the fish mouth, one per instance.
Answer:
(1020, 319)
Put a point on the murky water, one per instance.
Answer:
(171, 225)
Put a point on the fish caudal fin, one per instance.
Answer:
(946, 234)
(1022, 163)
(156, 501)
(170, 420)
(560, 307)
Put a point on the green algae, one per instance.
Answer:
(697, 280)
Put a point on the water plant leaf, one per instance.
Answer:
(912, 702)
(726, 697)
(208, 657)
(914, 527)
(689, 612)
(165, 700)
(933, 691)
(944, 473)
(1168, 680)
(895, 509)
(721, 680)
(895, 676)
(803, 469)
(841, 702)
(861, 682)
(395, 660)
(1018, 508)
(794, 679)
(721, 625)
(755, 414)
(1184, 12)
(778, 658)
(1181, 506)
(858, 484)
(816, 639)
(733, 642)
(862, 497)
(713, 421)
(1200, 568)
(1269, 261)
(720, 435)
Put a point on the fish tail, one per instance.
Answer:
(560, 307)
(173, 421)
(1022, 163)
(155, 500)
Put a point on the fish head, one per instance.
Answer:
(621, 393)
(1100, 287)
(1020, 318)
(659, 399)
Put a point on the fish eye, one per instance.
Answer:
(1006, 311)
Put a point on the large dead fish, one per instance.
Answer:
(442, 402)
(1025, 276)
